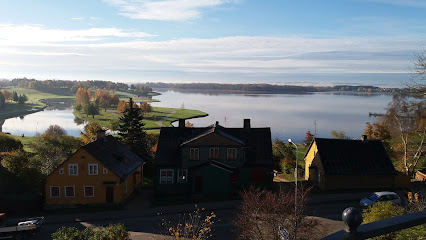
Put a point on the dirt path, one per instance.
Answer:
(160, 122)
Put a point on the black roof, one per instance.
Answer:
(114, 155)
(257, 141)
(354, 157)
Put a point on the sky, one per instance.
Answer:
(304, 42)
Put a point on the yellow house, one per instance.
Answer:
(351, 164)
(101, 172)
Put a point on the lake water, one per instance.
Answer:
(288, 115)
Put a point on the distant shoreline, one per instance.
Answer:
(269, 88)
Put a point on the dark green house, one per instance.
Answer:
(212, 160)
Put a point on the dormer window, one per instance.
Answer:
(214, 153)
(232, 154)
(194, 154)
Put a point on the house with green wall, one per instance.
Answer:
(213, 160)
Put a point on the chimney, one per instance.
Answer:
(246, 123)
(100, 134)
(182, 123)
(217, 123)
(364, 138)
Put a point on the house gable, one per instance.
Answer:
(216, 138)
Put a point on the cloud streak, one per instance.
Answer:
(83, 56)
(164, 10)
(38, 34)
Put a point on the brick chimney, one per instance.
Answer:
(181, 123)
(247, 123)
(100, 134)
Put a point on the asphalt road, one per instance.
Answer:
(149, 227)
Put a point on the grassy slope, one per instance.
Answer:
(33, 104)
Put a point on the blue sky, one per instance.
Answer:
(273, 41)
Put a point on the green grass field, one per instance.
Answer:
(153, 120)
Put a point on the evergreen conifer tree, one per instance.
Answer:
(131, 131)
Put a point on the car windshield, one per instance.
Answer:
(373, 197)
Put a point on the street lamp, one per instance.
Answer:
(297, 161)
(295, 186)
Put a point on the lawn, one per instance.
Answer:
(152, 120)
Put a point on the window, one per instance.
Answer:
(194, 154)
(73, 169)
(182, 176)
(69, 191)
(232, 153)
(89, 191)
(166, 176)
(55, 192)
(214, 153)
(61, 170)
(105, 170)
(93, 169)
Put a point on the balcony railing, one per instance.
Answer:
(353, 218)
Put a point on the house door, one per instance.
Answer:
(199, 184)
(109, 194)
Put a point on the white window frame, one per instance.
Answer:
(95, 169)
(212, 152)
(65, 190)
(228, 155)
(51, 191)
(197, 157)
(167, 178)
(180, 176)
(93, 190)
(105, 170)
(61, 170)
(71, 166)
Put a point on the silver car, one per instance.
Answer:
(380, 197)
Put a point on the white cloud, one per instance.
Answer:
(168, 10)
(229, 57)
(38, 34)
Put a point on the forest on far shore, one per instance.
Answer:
(267, 88)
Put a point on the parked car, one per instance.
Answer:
(380, 197)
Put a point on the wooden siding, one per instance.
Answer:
(100, 182)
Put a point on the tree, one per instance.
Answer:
(9, 143)
(262, 213)
(131, 131)
(379, 130)
(55, 130)
(19, 164)
(104, 103)
(189, 124)
(22, 99)
(338, 134)
(146, 107)
(15, 97)
(50, 150)
(2, 100)
(91, 109)
(309, 137)
(406, 121)
(78, 107)
(7, 95)
(121, 107)
(82, 96)
(284, 156)
(418, 76)
(90, 132)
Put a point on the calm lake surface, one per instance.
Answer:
(288, 115)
